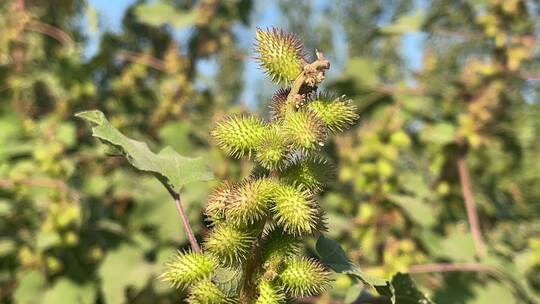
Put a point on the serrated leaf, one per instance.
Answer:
(171, 168)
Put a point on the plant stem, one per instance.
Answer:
(185, 221)
(252, 267)
(451, 267)
(320, 64)
(472, 214)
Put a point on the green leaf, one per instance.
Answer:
(458, 247)
(405, 24)
(160, 13)
(440, 133)
(67, 291)
(333, 256)
(363, 71)
(122, 268)
(176, 135)
(417, 210)
(228, 280)
(493, 293)
(30, 289)
(171, 168)
(406, 291)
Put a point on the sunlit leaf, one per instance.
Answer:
(171, 168)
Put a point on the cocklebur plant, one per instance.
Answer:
(252, 253)
(257, 225)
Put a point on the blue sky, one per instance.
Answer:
(265, 14)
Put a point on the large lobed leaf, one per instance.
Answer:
(171, 168)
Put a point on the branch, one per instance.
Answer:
(452, 267)
(185, 221)
(472, 214)
(144, 59)
(50, 31)
(40, 182)
(312, 74)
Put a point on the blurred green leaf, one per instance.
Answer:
(405, 24)
(493, 292)
(363, 71)
(420, 212)
(30, 289)
(458, 246)
(176, 135)
(122, 268)
(67, 291)
(160, 13)
(440, 133)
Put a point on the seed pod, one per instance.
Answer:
(249, 202)
(336, 113)
(276, 247)
(206, 292)
(280, 54)
(305, 129)
(273, 149)
(238, 136)
(294, 210)
(278, 106)
(304, 277)
(218, 202)
(188, 268)
(311, 172)
(229, 244)
(270, 293)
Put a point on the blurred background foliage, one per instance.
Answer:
(447, 93)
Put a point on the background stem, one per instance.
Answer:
(472, 215)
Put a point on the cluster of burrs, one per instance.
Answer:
(257, 224)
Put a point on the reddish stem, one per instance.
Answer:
(472, 214)
(185, 221)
